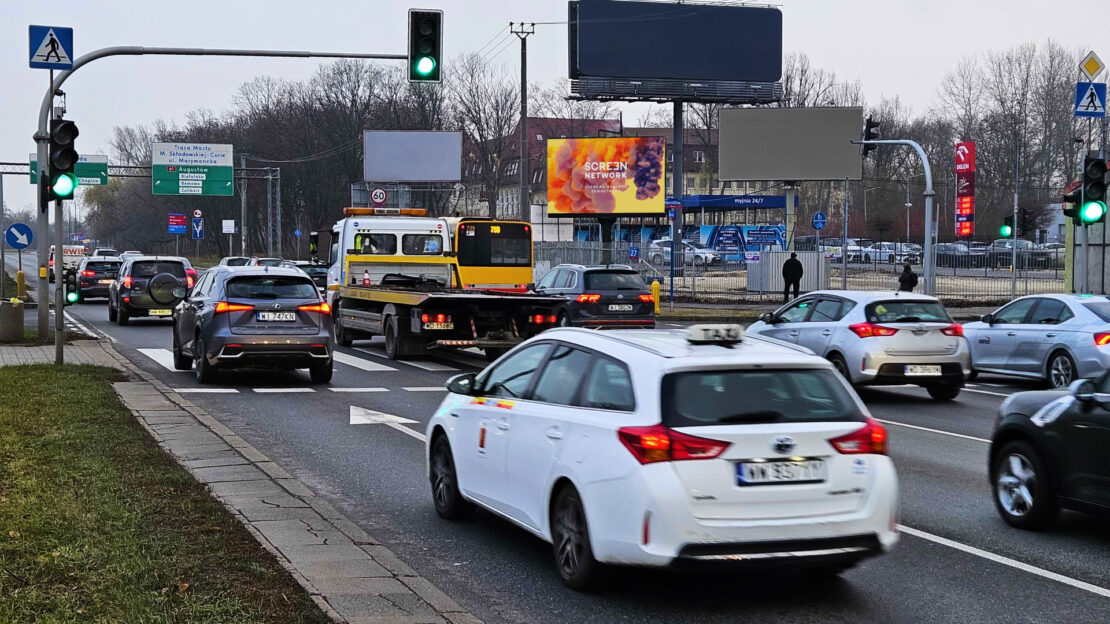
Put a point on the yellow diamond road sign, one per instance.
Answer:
(1092, 65)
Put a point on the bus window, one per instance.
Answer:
(494, 244)
(371, 244)
(422, 244)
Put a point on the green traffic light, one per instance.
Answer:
(64, 185)
(1092, 212)
(1006, 231)
(425, 65)
(71, 297)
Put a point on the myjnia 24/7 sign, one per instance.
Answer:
(192, 169)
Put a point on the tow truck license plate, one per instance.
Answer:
(620, 307)
(757, 473)
(922, 369)
(276, 316)
(433, 325)
(161, 312)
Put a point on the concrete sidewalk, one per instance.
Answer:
(350, 575)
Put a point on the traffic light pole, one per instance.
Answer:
(59, 282)
(1014, 234)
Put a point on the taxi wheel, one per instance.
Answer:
(445, 483)
(946, 392)
(1022, 493)
(840, 365)
(1061, 370)
(206, 373)
(321, 374)
(570, 538)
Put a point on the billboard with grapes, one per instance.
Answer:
(618, 176)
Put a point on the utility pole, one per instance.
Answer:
(522, 32)
(269, 212)
(1013, 251)
(679, 192)
(277, 211)
(242, 213)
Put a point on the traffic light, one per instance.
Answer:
(870, 133)
(63, 158)
(1026, 226)
(1007, 229)
(1072, 197)
(425, 44)
(1093, 209)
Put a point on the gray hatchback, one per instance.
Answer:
(258, 317)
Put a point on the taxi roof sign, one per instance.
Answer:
(722, 334)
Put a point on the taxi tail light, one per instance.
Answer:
(191, 273)
(322, 307)
(127, 282)
(955, 329)
(869, 330)
(223, 306)
(657, 443)
(647, 298)
(1102, 338)
(870, 438)
(588, 298)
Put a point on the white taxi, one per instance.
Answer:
(667, 448)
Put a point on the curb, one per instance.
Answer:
(376, 587)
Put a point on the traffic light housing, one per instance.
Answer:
(1026, 225)
(1072, 197)
(425, 45)
(1093, 206)
(1007, 229)
(63, 158)
(870, 133)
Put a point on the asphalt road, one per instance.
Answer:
(956, 562)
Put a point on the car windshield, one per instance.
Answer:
(614, 280)
(717, 397)
(314, 270)
(907, 312)
(150, 269)
(271, 287)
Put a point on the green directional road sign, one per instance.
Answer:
(192, 169)
(91, 170)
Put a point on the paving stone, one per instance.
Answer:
(335, 586)
(394, 619)
(273, 470)
(305, 537)
(252, 454)
(324, 507)
(188, 451)
(319, 524)
(461, 618)
(296, 488)
(350, 568)
(264, 499)
(406, 604)
(388, 560)
(261, 486)
(308, 554)
(353, 531)
(232, 459)
(431, 594)
(218, 474)
(255, 514)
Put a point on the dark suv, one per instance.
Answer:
(260, 317)
(145, 287)
(94, 275)
(613, 296)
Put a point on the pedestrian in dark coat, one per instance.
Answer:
(907, 281)
(792, 272)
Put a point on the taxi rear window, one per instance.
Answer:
(747, 397)
(907, 312)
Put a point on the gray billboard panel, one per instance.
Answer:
(411, 156)
(672, 41)
(790, 144)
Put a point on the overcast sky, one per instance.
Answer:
(907, 48)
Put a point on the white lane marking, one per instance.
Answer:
(947, 433)
(465, 358)
(359, 389)
(281, 390)
(673, 325)
(1001, 394)
(427, 365)
(360, 363)
(88, 332)
(1006, 561)
(424, 388)
(205, 390)
(161, 356)
(363, 416)
(406, 430)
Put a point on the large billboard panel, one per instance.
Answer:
(672, 41)
(411, 156)
(618, 176)
(793, 144)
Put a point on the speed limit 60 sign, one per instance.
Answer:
(377, 196)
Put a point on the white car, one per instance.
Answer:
(877, 338)
(663, 448)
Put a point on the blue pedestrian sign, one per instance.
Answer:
(51, 47)
(1090, 99)
(297, 232)
(819, 220)
(19, 236)
(198, 228)
(670, 214)
(633, 252)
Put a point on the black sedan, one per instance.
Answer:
(1049, 451)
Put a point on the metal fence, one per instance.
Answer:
(980, 281)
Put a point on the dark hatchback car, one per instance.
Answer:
(1049, 451)
(145, 287)
(612, 296)
(94, 275)
(256, 317)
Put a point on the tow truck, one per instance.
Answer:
(433, 282)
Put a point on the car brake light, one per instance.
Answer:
(868, 330)
(424, 318)
(647, 298)
(657, 443)
(322, 307)
(189, 281)
(88, 273)
(588, 298)
(191, 273)
(127, 282)
(223, 306)
(1102, 339)
(955, 329)
(870, 438)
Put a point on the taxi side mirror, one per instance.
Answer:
(462, 384)
(768, 318)
(530, 286)
(988, 319)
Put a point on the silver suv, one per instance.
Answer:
(660, 253)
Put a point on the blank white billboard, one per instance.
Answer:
(792, 144)
(411, 156)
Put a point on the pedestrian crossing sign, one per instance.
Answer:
(1090, 99)
(51, 47)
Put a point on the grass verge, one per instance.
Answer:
(97, 524)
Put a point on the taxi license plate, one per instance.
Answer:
(276, 316)
(450, 325)
(161, 312)
(759, 473)
(620, 307)
(922, 369)
(106, 281)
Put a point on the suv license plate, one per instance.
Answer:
(276, 316)
(758, 473)
(922, 369)
(620, 307)
(161, 312)
(433, 325)
(106, 281)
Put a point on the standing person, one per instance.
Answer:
(792, 272)
(907, 281)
